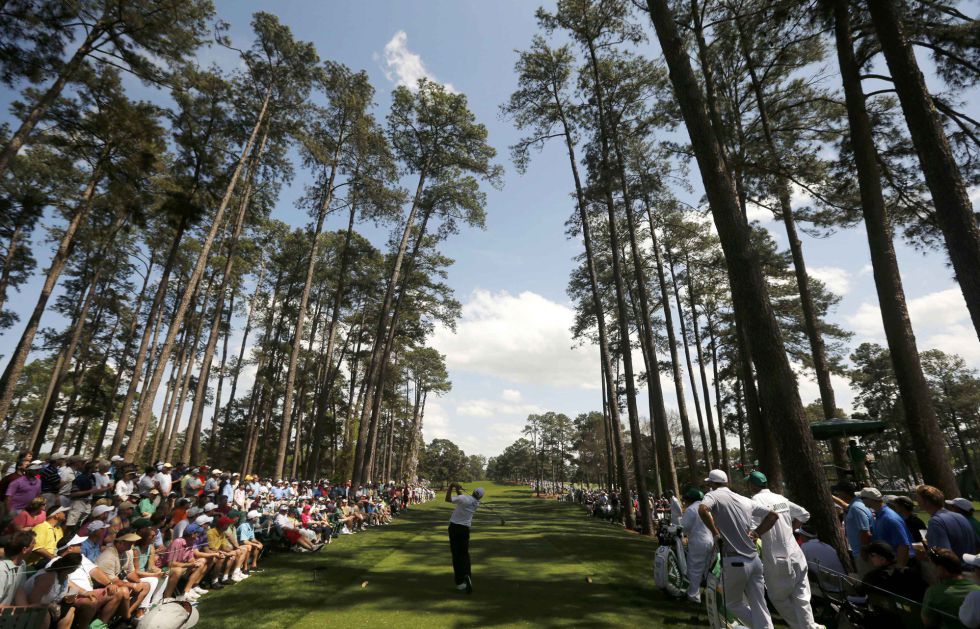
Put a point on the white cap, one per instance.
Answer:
(961, 503)
(478, 493)
(210, 506)
(717, 476)
(193, 512)
(870, 493)
(76, 541)
(36, 464)
(252, 515)
(57, 456)
(973, 560)
(201, 520)
(116, 459)
(98, 510)
(61, 509)
(96, 525)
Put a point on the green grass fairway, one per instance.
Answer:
(530, 572)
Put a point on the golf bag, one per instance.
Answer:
(670, 562)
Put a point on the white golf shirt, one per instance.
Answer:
(465, 508)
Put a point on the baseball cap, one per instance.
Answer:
(58, 456)
(870, 493)
(693, 493)
(210, 506)
(973, 560)
(139, 523)
(478, 493)
(961, 503)
(201, 520)
(77, 540)
(225, 521)
(843, 487)
(100, 510)
(116, 459)
(806, 531)
(36, 464)
(757, 478)
(253, 514)
(717, 476)
(96, 525)
(57, 511)
(128, 537)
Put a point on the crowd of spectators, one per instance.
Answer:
(905, 568)
(102, 541)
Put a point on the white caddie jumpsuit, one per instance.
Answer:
(784, 564)
(700, 548)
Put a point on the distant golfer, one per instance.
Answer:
(459, 533)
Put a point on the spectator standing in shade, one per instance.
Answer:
(905, 507)
(946, 529)
(858, 522)
(889, 527)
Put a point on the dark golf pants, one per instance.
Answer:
(459, 544)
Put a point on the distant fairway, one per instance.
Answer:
(530, 572)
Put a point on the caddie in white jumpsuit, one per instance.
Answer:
(700, 544)
(783, 561)
(728, 516)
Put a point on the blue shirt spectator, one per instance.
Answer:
(91, 550)
(890, 527)
(951, 530)
(858, 520)
(245, 532)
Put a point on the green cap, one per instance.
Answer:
(757, 478)
(692, 494)
(140, 523)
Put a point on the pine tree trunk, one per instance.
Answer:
(216, 414)
(811, 323)
(920, 415)
(287, 400)
(150, 391)
(748, 287)
(722, 439)
(708, 415)
(692, 460)
(662, 452)
(152, 319)
(687, 356)
(192, 438)
(954, 210)
(124, 357)
(374, 367)
(11, 375)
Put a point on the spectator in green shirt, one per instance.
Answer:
(147, 505)
(941, 605)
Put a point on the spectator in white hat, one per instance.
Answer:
(729, 518)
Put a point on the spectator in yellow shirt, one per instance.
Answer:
(47, 534)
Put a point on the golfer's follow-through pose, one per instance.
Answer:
(459, 533)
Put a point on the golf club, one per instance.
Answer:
(494, 512)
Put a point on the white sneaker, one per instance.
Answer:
(189, 596)
(237, 574)
(199, 590)
(225, 579)
(237, 578)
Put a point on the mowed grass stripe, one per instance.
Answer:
(530, 572)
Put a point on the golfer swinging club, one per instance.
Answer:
(459, 533)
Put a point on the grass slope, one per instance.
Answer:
(530, 572)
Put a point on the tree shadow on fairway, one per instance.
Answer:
(551, 567)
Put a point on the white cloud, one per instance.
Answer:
(837, 279)
(404, 67)
(940, 321)
(493, 408)
(866, 269)
(511, 395)
(755, 212)
(522, 338)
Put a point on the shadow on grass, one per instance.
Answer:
(554, 567)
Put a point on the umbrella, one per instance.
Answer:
(840, 427)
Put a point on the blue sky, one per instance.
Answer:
(512, 353)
